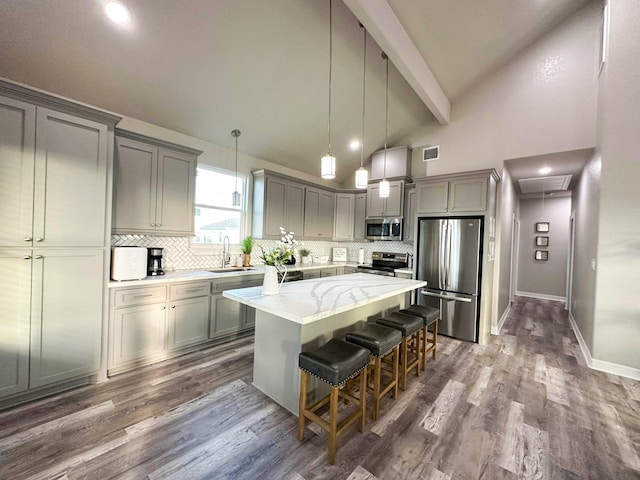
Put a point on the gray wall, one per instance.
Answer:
(538, 277)
(617, 307)
(508, 205)
(586, 203)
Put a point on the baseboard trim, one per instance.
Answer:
(542, 296)
(601, 365)
(495, 330)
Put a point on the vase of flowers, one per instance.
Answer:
(247, 247)
(274, 261)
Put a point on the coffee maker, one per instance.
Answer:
(154, 261)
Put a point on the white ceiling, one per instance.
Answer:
(205, 67)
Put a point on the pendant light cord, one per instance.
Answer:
(236, 164)
(386, 115)
(364, 80)
(330, 61)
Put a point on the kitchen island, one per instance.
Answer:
(307, 314)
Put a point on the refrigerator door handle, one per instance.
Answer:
(445, 297)
(449, 235)
(441, 255)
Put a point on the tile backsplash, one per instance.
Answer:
(179, 254)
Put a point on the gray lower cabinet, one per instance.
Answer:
(188, 318)
(229, 317)
(139, 333)
(52, 315)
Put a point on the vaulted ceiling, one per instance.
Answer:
(205, 67)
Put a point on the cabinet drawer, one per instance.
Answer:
(138, 296)
(311, 274)
(188, 290)
(218, 286)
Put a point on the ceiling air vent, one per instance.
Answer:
(544, 184)
(430, 153)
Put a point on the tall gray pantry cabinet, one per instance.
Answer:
(54, 172)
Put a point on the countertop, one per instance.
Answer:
(310, 300)
(204, 274)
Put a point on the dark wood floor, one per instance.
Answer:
(523, 406)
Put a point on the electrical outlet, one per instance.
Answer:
(593, 264)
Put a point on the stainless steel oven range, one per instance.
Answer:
(384, 263)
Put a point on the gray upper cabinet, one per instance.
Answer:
(344, 216)
(360, 212)
(409, 213)
(465, 193)
(397, 163)
(154, 187)
(385, 207)
(44, 155)
(277, 202)
(319, 208)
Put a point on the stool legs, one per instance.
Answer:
(302, 405)
(433, 340)
(333, 424)
(378, 390)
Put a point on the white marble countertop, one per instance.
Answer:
(310, 300)
(196, 274)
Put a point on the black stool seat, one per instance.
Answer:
(377, 338)
(406, 323)
(335, 361)
(428, 314)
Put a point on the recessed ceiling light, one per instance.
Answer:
(355, 144)
(544, 170)
(117, 12)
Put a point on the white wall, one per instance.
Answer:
(507, 209)
(617, 305)
(539, 277)
(543, 101)
(586, 206)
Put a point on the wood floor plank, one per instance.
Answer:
(439, 414)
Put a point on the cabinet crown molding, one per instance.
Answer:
(451, 176)
(157, 142)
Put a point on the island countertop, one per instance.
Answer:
(310, 300)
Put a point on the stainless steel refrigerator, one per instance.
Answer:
(448, 257)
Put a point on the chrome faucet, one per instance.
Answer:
(226, 246)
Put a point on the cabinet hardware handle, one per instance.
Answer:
(153, 224)
(173, 306)
(143, 295)
(27, 257)
(28, 239)
(163, 308)
(38, 257)
(39, 239)
(193, 290)
(158, 224)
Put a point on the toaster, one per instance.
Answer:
(128, 263)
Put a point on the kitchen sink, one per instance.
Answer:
(232, 269)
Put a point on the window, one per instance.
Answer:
(215, 217)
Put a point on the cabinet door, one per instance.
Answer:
(139, 332)
(326, 211)
(393, 203)
(17, 137)
(226, 316)
(328, 272)
(432, 197)
(275, 212)
(306, 275)
(134, 187)
(15, 298)
(318, 213)
(343, 224)
(188, 322)
(70, 187)
(409, 215)
(248, 318)
(175, 194)
(360, 212)
(66, 315)
(294, 204)
(468, 195)
(375, 204)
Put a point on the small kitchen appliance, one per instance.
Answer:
(128, 263)
(383, 229)
(154, 262)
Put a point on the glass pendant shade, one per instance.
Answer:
(362, 177)
(384, 189)
(328, 167)
(235, 199)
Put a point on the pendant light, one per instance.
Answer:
(384, 184)
(362, 176)
(328, 165)
(235, 196)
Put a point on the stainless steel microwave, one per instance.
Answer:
(383, 229)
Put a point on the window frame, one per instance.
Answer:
(216, 248)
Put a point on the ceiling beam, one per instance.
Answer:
(385, 28)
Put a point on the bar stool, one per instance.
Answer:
(430, 316)
(334, 363)
(383, 342)
(410, 327)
